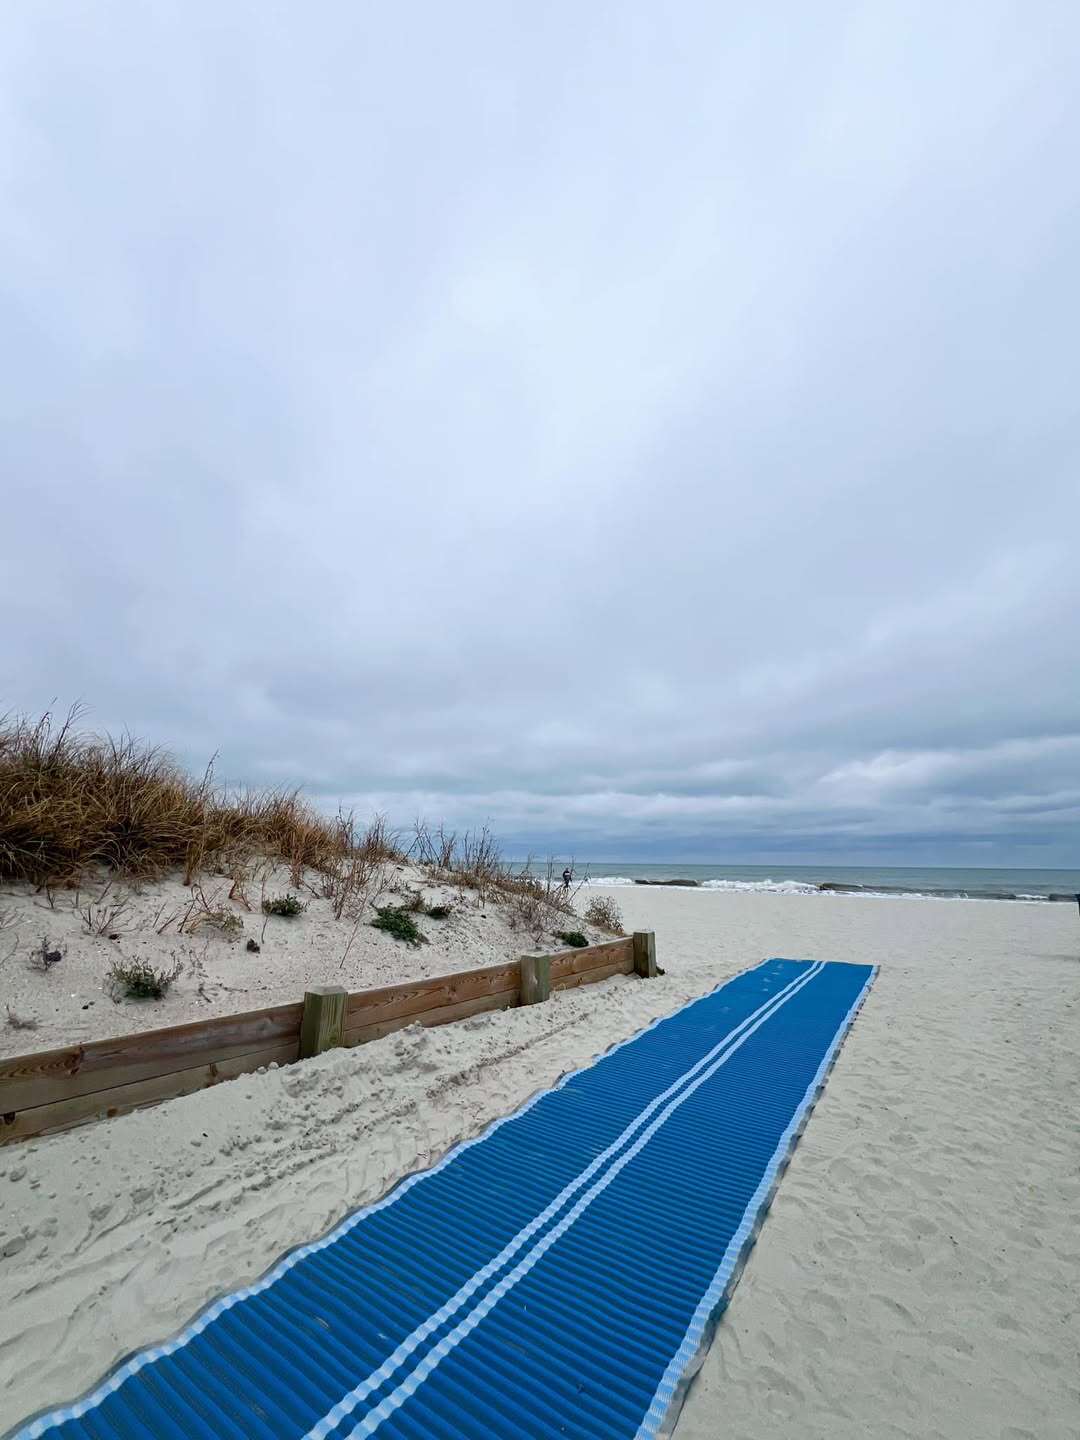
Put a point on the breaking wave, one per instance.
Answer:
(826, 888)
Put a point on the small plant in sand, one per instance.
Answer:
(203, 913)
(397, 920)
(602, 912)
(415, 903)
(572, 937)
(166, 917)
(44, 956)
(20, 1022)
(435, 849)
(285, 905)
(100, 918)
(357, 871)
(138, 980)
(225, 922)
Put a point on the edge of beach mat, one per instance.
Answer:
(664, 1411)
(36, 1423)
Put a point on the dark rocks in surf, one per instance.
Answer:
(693, 884)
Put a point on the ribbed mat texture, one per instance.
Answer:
(556, 1277)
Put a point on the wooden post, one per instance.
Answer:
(535, 978)
(645, 954)
(322, 1024)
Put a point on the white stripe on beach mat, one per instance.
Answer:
(439, 1352)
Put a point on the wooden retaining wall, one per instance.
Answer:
(56, 1089)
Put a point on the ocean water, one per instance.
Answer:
(945, 883)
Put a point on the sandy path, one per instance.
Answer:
(918, 1274)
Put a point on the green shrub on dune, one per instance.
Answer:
(397, 920)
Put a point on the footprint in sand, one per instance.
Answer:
(905, 1257)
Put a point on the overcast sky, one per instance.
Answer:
(650, 429)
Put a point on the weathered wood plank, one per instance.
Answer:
(439, 1015)
(591, 977)
(574, 962)
(645, 954)
(54, 1075)
(389, 1002)
(323, 1021)
(535, 979)
(119, 1099)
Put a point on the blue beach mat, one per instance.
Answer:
(558, 1276)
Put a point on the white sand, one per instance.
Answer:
(71, 1000)
(918, 1275)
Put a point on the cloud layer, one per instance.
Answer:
(655, 434)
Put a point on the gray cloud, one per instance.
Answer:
(652, 434)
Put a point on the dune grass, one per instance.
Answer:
(72, 801)
(474, 862)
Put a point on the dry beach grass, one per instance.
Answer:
(71, 802)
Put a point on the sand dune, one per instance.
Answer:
(71, 1002)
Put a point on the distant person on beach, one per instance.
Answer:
(567, 876)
